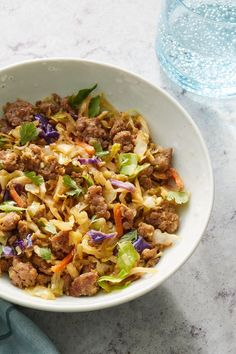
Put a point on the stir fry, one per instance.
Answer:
(88, 201)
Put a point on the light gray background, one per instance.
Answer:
(195, 310)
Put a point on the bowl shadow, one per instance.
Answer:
(150, 324)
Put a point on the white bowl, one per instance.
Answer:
(170, 126)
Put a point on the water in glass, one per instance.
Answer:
(196, 45)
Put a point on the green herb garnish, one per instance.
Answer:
(36, 179)
(129, 236)
(75, 100)
(99, 152)
(9, 206)
(94, 107)
(28, 132)
(72, 185)
(88, 179)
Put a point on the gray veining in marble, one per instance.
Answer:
(194, 312)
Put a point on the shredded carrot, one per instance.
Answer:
(174, 174)
(118, 219)
(15, 196)
(63, 263)
(88, 148)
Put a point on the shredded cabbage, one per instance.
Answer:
(150, 202)
(34, 208)
(141, 144)
(128, 163)
(126, 260)
(127, 256)
(63, 225)
(41, 291)
(177, 197)
(43, 252)
(163, 238)
(75, 237)
(57, 284)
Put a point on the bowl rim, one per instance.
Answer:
(47, 305)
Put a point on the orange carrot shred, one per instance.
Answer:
(15, 196)
(174, 174)
(88, 148)
(118, 219)
(63, 263)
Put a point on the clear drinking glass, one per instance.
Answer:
(196, 45)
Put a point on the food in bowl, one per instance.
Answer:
(88, 201)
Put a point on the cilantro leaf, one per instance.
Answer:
(94, 107)
(9, 206)
(98, 150)
(88, 179)
(102, 153)
(75, 100)
(71, 184)
(74, 192)
(28, 132)
(37, 180)
(130, 236)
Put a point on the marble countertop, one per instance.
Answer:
(195, 310)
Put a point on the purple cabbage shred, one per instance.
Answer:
(7, 251)
(23, 244)
(125, 185)
(48, 132)
(7, 195)
(93, 161)
(98, 236)
(141, 245)
(29, 242)
(20, 243)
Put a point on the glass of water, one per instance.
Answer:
(196, 45)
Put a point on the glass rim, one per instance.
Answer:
(182, 2)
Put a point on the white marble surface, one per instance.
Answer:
(195, 310)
